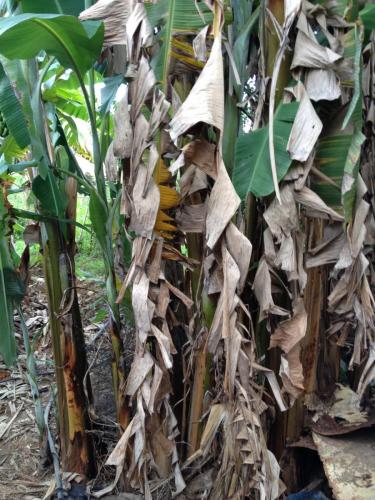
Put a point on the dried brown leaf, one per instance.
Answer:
(240, 249)
(322, 84)
(263, 292)
(199, 44)
(222, 205)
(291, 331)
(114, 14)
(140, 306)
(311, 200)
(123, 141)
(282, 219)
(202, 154)
(306, 127)
(141, 366)
(291, 372)
(205, 102)
(110, 164)
(144, 206)
(192, 218)
(307, 51)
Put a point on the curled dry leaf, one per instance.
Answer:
(164, 346)
(138, 24)
(291, 8)
(308, 52)
(368, 373)
(274, 384)
(358, 233)
(274, 490)
(205, 103)
(263, 291)
(306, 127)
(114, 14)
(199, 44)
(282, 219)
(217, 414)
(290, 332)
(123, 134)
(140, 134)
(223, 323)
(144, 206)
(192, 218)
(311, 200)
(222, 205)
(291, 372)
(110, 164)
(326, 253)
(347, 406)
(240, 248)
(141, 87)
(139, 371)
(202, 154)
(322, 85)
(140, 306)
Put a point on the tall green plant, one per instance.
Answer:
(76, 46)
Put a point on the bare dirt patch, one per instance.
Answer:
(25, 468)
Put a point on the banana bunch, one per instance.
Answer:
(4, 132)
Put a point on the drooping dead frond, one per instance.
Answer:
(114, 14)
(227, 255)
(147, 450)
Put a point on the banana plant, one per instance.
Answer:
(324, 185)
(74, 96)
(11, 286)
(297, 171)
(75, 46)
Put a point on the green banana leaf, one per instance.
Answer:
(12, 291)
(7, 340)
(244, 22)
(367, 15)
(69, 7)
(182, 15)
(26, 214)
(71, 104)
(12, 111)
(10, 150)
(342, 8)
(241, 48)
(354, 115)
(108, 93)
(64, 89)
(351, 170)
(50, 196)
(172, 17)
(331, 157)
(99, 218)
(231, 125)
(338, 156)
(16, 167)
(354, 112)
(66, 95)
(252, 166)
(76, 45)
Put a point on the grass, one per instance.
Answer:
(89, 262)
(89, 266)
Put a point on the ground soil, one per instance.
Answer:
(24, 469)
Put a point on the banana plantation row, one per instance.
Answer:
(232, 149)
